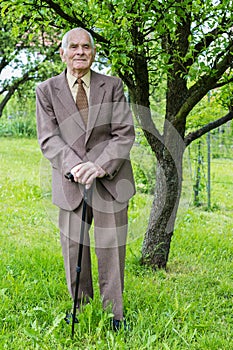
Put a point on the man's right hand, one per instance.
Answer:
(86, 173)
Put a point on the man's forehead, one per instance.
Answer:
(78, 36)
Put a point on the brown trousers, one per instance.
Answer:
(110, 231)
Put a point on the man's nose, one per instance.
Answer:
(79, 50)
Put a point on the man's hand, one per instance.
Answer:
(85, 173)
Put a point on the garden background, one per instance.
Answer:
(175, 60)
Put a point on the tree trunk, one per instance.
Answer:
(5, 100)
(157, 240)
(168, 149)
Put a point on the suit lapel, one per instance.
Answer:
(97, 93)
(66, 98)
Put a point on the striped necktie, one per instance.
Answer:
(81, 101)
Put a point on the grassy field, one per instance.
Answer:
(188, 307)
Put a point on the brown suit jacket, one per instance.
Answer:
(66, 142)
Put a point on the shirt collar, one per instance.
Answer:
(72, 79)
(87, 79)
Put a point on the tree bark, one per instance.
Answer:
(168, 150)
(157, 240)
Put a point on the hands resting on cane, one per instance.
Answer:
(86, 173)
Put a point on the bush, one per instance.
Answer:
(18, 126)
(19, 116)
(144, 164)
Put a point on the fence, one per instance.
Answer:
(209, 167)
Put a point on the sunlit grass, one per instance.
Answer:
(187, 307)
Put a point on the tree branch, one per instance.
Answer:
(127, 79)
(206, 128)
(75, 21)
(223, 83)
(19, 81)
(207, 40)
(14, 87)
(204, 84)
(3, 63)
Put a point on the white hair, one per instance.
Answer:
(65, 39)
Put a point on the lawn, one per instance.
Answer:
(190, 306)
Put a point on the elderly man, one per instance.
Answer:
(85, 128)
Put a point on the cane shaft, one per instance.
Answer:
(78, 268)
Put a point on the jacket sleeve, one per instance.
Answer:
(122, 134)
(53, 146)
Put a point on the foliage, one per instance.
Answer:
(143, 164)
(19, 118)
(183, 48)
(25, 56)
(18, 127)
(207, 110)
(125, 31)
(226, 96)
(188, 306)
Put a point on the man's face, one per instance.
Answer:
(79, 53)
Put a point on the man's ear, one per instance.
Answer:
(62, 54)
(94, 53)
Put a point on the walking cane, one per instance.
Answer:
(78, 268)
(70, 177)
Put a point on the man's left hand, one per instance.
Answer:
(85, 173)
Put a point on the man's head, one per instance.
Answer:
(78, 51)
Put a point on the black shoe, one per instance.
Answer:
(117, 325)
(69, 317)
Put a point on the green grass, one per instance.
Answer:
(188, 307)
